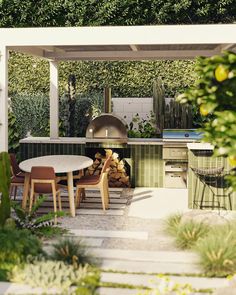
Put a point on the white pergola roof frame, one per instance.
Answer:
(105, 43)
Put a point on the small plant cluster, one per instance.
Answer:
(58, 276)
(164, 286)
(142, 128)
(36, 225)
(16, 246)
(215, 245)
(68, 266)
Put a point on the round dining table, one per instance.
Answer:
(61, 164)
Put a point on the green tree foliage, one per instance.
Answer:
(17, 13)
(215, 95)
(5, 174)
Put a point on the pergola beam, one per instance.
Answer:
(129, 55)
(54, 101)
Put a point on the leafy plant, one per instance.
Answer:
(16, 245)
(49, 232)
(13, 135)
(163, 285)
(5, 180)
(142, 128)
(189, 233)
(72, 252)
(217, 251)
(56, 275)
(32, 222)
(172, 223)
(215, 96)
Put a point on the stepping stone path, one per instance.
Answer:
(131, 250)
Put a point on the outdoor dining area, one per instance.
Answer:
(39, 176)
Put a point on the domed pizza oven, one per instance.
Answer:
(107, 127)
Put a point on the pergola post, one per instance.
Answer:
(54, 100)
(3, 98)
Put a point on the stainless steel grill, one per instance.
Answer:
(185, 135)
(107, 127)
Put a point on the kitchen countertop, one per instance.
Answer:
(200, 146)
(82, 140)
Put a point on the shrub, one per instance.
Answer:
(218, 251)
(189, 233)
(172, 223)
(5, 180)
(56, 275)
(71, 252)
(30, 221)
(16, 245)
(32, 113)
(145, 128)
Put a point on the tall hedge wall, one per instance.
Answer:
(43, 13)
(126, 78)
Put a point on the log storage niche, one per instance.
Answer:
(118, 175)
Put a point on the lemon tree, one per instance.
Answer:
(214, 93)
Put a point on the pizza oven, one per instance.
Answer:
(107, 128)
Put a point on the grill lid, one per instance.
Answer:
(107, 127)
(182, 134)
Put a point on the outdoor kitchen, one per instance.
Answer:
(164, 161)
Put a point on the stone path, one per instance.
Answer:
(137, 246)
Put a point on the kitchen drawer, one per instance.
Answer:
(175, 180)
(175, 153)
(176, 167)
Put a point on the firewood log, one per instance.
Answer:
(108, 152)
(98, 155)
(115, 156)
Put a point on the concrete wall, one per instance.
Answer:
(128, 107)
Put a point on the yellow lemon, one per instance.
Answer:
(232, 161)
(221, 73)
(203, 110)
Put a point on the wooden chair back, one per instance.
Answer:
(15, 169)
(43, 179)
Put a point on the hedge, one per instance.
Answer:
(126, 78)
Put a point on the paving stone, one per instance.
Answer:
(116, 212)
(98, 200)
(91, 242)
(99, 205)
(147, 280)
(117, 291)
(138, 235)
(18, 289)
(150, 267)
(154, 256)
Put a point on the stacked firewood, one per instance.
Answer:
(117, 175)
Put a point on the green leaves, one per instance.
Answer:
(215, 96)
(5, 180)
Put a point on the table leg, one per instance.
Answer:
(71, 193)
(26, 190)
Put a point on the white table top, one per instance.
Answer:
(60, 163)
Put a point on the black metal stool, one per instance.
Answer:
(211, 178)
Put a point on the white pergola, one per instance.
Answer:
(105, 43)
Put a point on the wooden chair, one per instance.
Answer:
(18, 177)
(43, 181)
(95, 181)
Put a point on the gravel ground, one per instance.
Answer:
(158, 240)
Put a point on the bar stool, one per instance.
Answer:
(213, 178)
